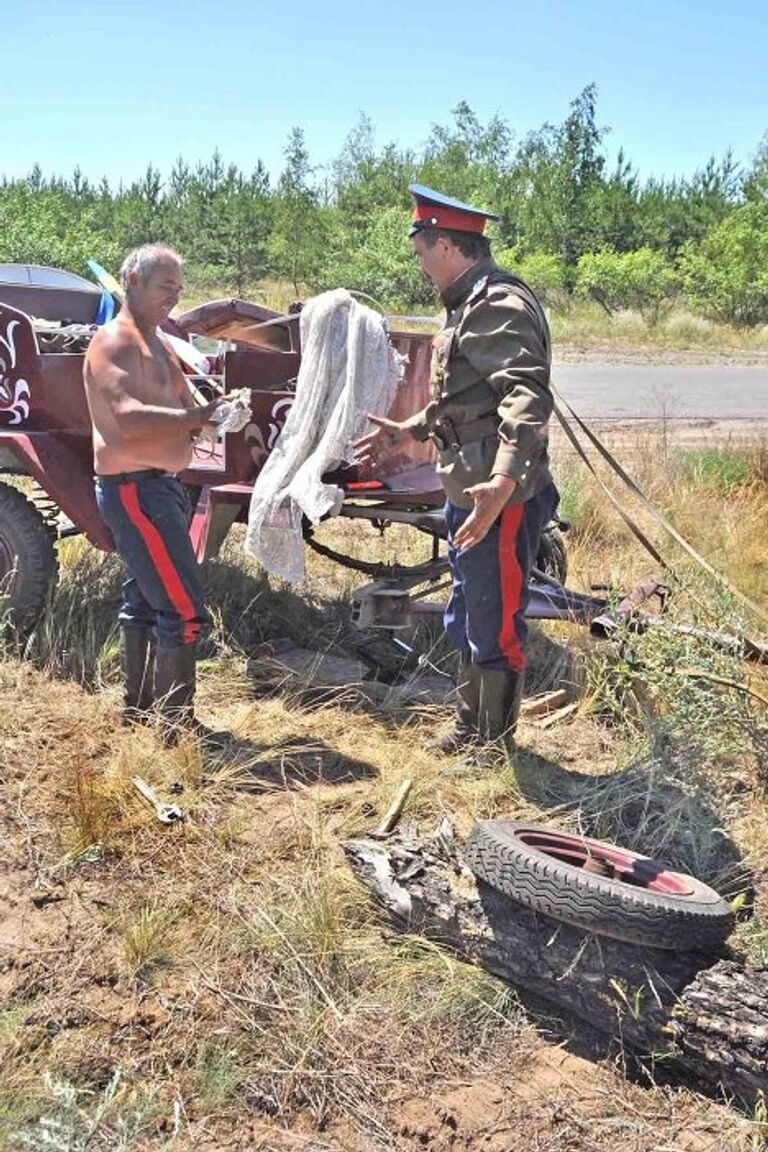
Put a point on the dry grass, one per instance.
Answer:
(224, 983)
(585, 325)
(716, 497)
(276, 294)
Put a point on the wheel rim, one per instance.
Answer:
(606, 860)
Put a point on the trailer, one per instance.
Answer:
(46, 473)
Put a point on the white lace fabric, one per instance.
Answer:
(234, 414)
(348, 369)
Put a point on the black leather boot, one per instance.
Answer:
(175, 682)
(465, 729)
(137, 658)
(501, 691)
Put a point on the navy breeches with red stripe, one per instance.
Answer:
(486, 611)
(149, 522)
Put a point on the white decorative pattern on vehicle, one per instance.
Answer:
(14, 405)
(255, 437)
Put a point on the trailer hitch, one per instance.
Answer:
(390, 604)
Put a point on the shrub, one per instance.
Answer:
(684, 328)
(545, 272)
(726, 275)
(644, 280)
(383, 265)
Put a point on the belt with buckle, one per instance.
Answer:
(132, 477)
(446, 434)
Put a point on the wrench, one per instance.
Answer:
(166, 813)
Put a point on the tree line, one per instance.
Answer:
(571, 223)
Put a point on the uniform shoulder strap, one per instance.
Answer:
(529, 298)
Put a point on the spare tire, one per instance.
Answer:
(598, 887)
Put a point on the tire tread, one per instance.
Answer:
(29, 538)
(591, 902)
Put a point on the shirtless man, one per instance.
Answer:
(144, 420)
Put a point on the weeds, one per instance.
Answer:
(751, 938)
(91, 813)
(585, 324)
(686, 684)
(76, 638)
(719, 468)
(110, 1123)
(147, 937)
(220, 1073)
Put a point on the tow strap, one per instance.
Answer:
(638, 493)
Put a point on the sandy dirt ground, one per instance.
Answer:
(646, 354)
(632, 438)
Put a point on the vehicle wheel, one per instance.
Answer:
(598, 887)
(552, 558)
(28, 562)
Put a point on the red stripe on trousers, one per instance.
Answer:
(511, 577)
(161, 558)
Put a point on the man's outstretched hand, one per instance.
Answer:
(388, 434)
(489, 499)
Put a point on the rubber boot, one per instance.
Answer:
(465, 728)
(137, 658)
(174, 684)
(501, 691)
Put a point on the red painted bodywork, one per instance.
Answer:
(45, 428)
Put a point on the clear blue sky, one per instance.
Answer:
(114, 86)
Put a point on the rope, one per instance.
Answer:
(633, 527)
(639, 495)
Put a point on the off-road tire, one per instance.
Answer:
(552, 558)
(28, 562)
(655, 907)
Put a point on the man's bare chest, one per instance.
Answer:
(156, 381)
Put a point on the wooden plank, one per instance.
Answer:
(543, 703)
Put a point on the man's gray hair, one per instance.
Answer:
(145, 259)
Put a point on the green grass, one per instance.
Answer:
(718, 468)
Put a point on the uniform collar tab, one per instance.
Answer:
(470, 283)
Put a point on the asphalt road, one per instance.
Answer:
(664, 392)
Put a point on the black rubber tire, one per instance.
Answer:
(29, 565)
(654, 907)
(552, 558)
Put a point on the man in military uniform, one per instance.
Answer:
(488, 413)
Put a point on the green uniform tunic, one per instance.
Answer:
(490, 395)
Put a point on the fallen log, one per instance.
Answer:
(709, 1018)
